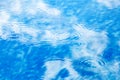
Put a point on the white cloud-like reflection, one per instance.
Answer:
(36, 22)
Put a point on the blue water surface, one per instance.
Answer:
(59, 40)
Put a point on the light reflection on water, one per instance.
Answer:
(59, 40)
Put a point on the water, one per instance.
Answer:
(59, 40)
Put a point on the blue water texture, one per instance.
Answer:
(59, 40)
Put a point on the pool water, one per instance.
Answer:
(59, 40)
